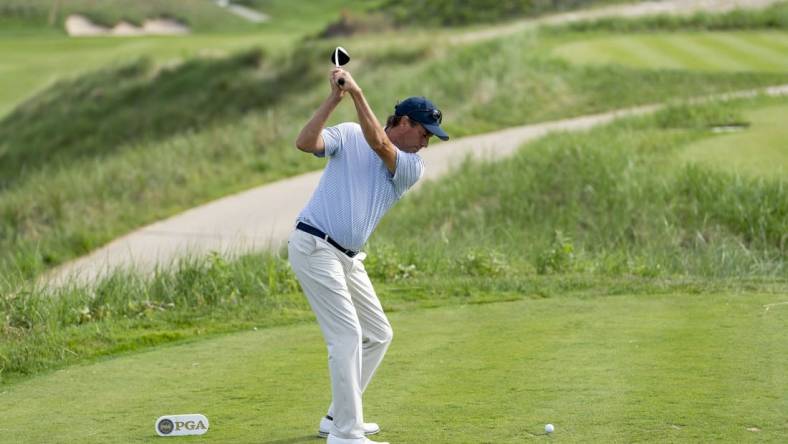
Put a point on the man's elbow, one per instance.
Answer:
(381, 146)
(305, 146)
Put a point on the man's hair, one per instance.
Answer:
(394, 120)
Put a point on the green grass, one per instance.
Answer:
(732, 51)
(144, 103)
(469, 12)
(33, 56)
(201, 15)
(636, 286)
(774, 17)
(31, 64)
(194, 156)
(680, 368)
(308, 17)
(604, 212)
(610, 200)
(757, 150)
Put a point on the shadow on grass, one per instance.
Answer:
(299, 439)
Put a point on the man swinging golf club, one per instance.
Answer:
(369, 168)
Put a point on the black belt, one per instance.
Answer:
(315, 232)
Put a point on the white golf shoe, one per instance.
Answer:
(370, 428)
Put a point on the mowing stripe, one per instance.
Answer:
(656, 57)
(767, 58)
(723, 44)
(711, 56)
(740, 51)
(612, 51)
(690, 54)
(775, 41)
(731, 57)
(776, 44)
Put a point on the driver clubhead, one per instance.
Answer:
(339, 58)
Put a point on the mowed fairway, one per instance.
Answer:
(707, 51)
(759, 150)
(28, 65)
(659, 368)
(32, 57)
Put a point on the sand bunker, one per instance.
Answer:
(81, 26)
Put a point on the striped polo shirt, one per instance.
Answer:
(356, 189)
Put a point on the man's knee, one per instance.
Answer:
(384, 335)
(388, 335)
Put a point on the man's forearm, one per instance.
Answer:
(373, 133)
(309, 137)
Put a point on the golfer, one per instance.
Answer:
(369, 169)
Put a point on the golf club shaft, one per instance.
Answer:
(340, 81)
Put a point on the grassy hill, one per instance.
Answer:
(607, 212)
(610, 212)
(456, 13)
(33, 55)
(740, 51)
(201, 15)
(147, 165)
(613, 200)
(112, 150)
(773, 17)
(141, 103)
(757, 150)
(625, 282)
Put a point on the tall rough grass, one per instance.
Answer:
(607, 200)
(95, 157)
(127, 311)
(772, 17)
(202, 15)
(602, 212)
(455, 13)
(107, 110)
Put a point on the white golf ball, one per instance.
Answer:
(549, 428)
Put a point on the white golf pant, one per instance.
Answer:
(354, 326)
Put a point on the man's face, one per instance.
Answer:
(410, 138)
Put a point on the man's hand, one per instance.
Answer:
(350, 85)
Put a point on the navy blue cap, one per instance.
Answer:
(423, 111)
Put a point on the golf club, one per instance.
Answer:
(340, 57)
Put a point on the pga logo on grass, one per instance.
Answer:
(181, 425)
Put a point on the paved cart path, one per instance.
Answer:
(262, 218)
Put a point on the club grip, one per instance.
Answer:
(341, 82)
